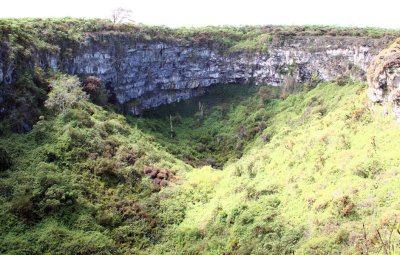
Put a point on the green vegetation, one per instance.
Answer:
(77, 186)
(25, 42)
(65, 93)
(326, 182)
(52, 35)
(24, 101)
(318, 176)
(210, 129)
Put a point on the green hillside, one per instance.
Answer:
(318, 176)
(324, 184)
(81, 182)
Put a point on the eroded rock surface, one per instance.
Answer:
(384, 78)
(143, 75)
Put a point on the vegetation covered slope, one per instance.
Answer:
(81, 182)
(326, 183)
(320, 178)
(213, 128)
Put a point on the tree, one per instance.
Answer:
(66, 92)
(121, 15)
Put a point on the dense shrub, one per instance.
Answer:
(5, 160)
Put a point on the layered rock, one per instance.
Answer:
(142, 74)
(384, 78)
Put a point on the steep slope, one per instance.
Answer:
(82, 182)
(314, 172)
(321, 178)
(327, 182)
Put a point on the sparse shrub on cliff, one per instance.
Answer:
(343, 80)
(91, 85)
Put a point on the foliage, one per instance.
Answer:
(63, 34)
(257, 44)
(319, 178)
(5, 160)
(66, 92)
(73, 180)
(24, 101)
(298, 191)
(211, 129)
(95, 89)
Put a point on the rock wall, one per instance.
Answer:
(142, 75)
(384, 78)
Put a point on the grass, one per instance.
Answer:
(239, 172)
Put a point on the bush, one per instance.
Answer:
(5, 160)
(344, 206)
(93, 86)
(65, 93)
(23, 208)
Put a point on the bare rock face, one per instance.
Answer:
(384, 78)
(146, 74)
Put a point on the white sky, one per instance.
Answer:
(376, 13)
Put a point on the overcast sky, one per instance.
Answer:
(376, 13)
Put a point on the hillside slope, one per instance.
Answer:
(326, 183)
(320, 177)
(82, 182)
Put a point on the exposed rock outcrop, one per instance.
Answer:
(384, 78)
(143, 75)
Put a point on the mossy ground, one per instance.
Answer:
(320, 177)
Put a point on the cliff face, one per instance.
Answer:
(384, 78)
(142, 75)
